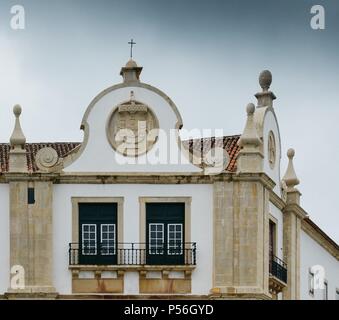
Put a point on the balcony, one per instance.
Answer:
(132, 254)
(104, 265)
(278, 275)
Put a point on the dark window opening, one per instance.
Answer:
(98, 233)
(272, 242)
(31, 196)
(165, 225)
(325, 290)
(311, 283)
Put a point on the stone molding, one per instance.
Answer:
(296, 209)
(68, 160)
(312, 230)
(277, 201)
(136, 177)
(75, 213)
(142, 218)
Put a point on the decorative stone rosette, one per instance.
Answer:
(47, 159)
(215, 161)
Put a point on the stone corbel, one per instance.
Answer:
(75, 274)
(188, 274)
(120, 274)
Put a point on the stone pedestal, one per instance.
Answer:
(293, 214)
(31, 237)
(240, 240)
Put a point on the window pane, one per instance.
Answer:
(108, 239)
(156, 238)
(89, 237)
(175, 238)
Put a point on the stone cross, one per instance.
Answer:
(131, 43)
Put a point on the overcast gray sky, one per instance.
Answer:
(206, 55)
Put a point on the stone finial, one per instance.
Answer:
(131, 71)
(266, 97)
(17, 138)
(265, 80)
(290, 177)
(250, 135)
(250, 157)
(17, 154)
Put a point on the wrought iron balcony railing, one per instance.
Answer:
(106, 253)
(278, 268)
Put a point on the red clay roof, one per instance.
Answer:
(64, 148)
(201, 146)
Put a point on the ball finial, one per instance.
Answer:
(290, 153)
(265, 79)
(17, 110)
(250, 108)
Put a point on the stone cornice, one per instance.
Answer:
(309, 227)
(262, 177)
(277, 201)
(136, 177)
(12, 177)
(295, 208)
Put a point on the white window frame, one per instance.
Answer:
(83, 252)
(181, 239)
(153, 249)
(114, 237)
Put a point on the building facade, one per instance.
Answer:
(133, 211)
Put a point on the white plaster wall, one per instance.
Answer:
(270, 124)
(4, 239)
(201, 225)
(109, 160)
(276, 213)
(314, 254)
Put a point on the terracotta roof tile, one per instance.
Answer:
(201, 146)
(62, 148)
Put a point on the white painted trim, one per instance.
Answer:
(95, 239)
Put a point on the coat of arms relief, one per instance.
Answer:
(132, 128)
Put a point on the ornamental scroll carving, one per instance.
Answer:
(47, 159)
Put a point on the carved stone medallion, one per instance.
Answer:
(46, 159)
(271, 149)
(132, 128)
